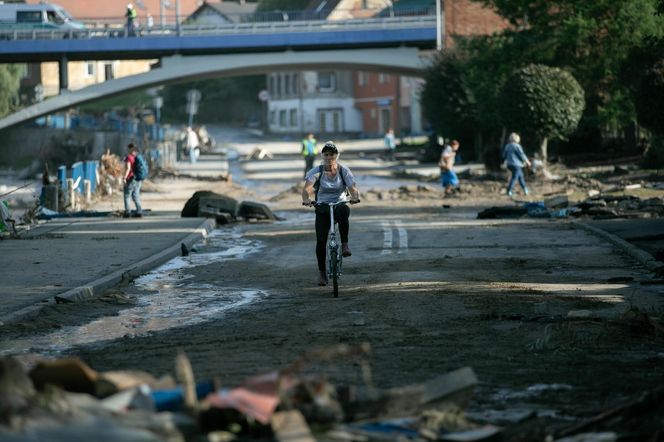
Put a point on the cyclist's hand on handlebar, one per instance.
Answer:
(355, 201)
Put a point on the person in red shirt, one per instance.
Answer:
(132, 186)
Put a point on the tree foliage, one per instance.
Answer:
(544, 101)
(650, 99)
(226, 99)
(10, 80)
(591, 39)
(447, 100)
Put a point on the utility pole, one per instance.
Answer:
(440, 25)
(177, 17)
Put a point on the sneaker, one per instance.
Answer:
(322, 278)
(526, 191)
(137, 215)
(126, 214)
(510, 193)
(345, 250)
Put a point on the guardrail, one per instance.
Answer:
(298, 26)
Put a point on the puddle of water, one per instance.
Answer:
(171, 299)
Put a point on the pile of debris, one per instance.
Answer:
(597, 206)
(410, 192)
(111, 172)
(225, 209)
(64, 400)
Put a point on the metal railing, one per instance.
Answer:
(116, 30)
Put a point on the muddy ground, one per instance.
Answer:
(493, 295)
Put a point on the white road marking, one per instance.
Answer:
(387, 238)
(403, 236)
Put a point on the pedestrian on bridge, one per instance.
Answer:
(131, 15)
(309, 152)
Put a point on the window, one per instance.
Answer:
(382, 78)
(295, 83)
(282, 118)
(24, 71)
(287, 84)
(28, 17)
(327, 81)
(278, 90)
(90, 69)
(270, 85)
(52, 17)
(362, 78)
(293, 117)
(330, 120)
(273, 117)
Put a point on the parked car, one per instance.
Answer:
(38, 16)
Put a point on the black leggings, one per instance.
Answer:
(341, 215)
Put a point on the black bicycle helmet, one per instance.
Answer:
(330, 146)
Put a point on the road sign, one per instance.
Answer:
(193, 96)
(192, 108)
(264, 95)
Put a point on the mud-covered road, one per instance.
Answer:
(430, 289)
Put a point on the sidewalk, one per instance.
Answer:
(76, 258)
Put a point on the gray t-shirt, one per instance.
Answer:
(331, 190)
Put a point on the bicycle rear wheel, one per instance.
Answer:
(334, 270)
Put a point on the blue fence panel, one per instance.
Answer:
(77, 171)
(91, 173)
(62, 177)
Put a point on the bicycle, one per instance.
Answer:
(334, 255)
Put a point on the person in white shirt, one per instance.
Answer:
(192, 145)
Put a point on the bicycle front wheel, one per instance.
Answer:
(334, 270)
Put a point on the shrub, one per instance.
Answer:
(544, 101)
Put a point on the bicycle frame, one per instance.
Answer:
(334, 255)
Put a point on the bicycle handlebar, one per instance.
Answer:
(316, 203)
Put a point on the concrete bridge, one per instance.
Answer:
(398, 45)
(404, 60)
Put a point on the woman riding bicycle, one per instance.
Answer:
(328, 183)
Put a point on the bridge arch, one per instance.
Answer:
(405, 61)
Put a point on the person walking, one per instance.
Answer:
(131, 15)
(328, 183)
(390, 144)
(515, 159)
(309, 152)
(448, 177)
(132, 186)
(192, 146)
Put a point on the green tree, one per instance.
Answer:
(591, 39)
(544, 101)
(447, 101)
(10, 80)
(650, 99)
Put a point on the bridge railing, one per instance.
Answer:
(403, 19)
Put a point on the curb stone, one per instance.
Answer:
(96, 287)
(640, 255)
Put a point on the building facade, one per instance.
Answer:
(321, 102)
